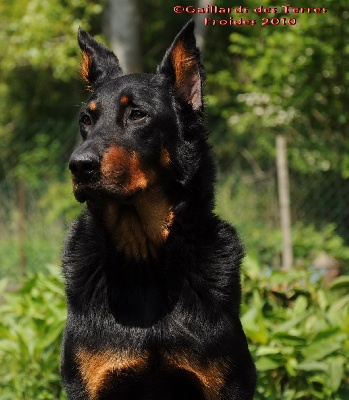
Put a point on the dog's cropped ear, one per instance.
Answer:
(98, 63)
(182, 64)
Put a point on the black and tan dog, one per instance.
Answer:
(152, 275)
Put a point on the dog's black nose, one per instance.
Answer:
(83, 165)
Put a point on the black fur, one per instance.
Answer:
(152, 275)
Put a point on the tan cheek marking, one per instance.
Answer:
(114, 159)
(140, 177)
(96, 367)
(211, 375)
(117, 159)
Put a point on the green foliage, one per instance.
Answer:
(31, 325)
(43, 34)
(39, 86)
(248, 207)
(66, 209)
(38, 248)
(261, 81)
(41, 240)
(285, 79)
(298, 332)
(310, 242)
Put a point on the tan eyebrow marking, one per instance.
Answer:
(92, 106)
(124, 100)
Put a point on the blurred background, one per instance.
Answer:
(284, 81)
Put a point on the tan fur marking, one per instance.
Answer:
(139, 176)
(85, 67)
(182, 62)
(211, 375)
(117, 160)
(124, 100)
(165, 159)
(96, 367)
(140, 228)
(156, 215)
(92, 106)
(127, 231)
(113, 160)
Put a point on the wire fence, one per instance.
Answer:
(318, 208)
(35, 207)
(321, 198)
(34, 187)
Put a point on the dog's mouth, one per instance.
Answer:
(98, 193)
(120, 176)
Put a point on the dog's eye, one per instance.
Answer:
(86, 120)
(137, 115)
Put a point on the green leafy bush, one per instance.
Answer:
(256, 216)
(309, 242)
(31, 325)
(42, 244)
(299, 333)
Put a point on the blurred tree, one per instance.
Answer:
(261, 81)
(122, 30)
(274, 79)
(286, 79)
(39, 98)
(39, 90)
(201, 27)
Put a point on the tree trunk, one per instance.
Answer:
(284, 201)
(21, 226)
(201, 28)
(121, 29)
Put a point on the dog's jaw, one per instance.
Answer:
(140, 227)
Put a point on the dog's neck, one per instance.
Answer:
(138, 229)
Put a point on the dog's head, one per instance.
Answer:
(138, 130)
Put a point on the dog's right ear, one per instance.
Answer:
(182, 65)
(98, 63)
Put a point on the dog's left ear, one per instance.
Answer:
(182, 64)
(98, 63)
